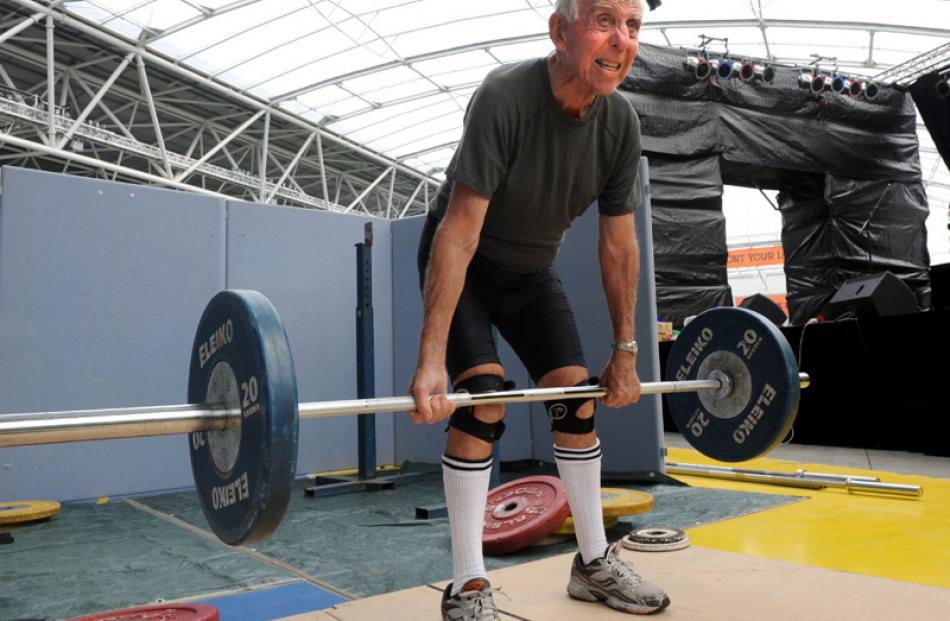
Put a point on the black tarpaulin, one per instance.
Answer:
(850, 227)
(847, 167)
(689, 236)
(935, 111)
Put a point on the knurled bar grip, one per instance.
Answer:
(134, 422)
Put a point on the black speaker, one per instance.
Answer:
(765, 307)
(940, 284)
(875, 295)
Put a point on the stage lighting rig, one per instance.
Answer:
(702, 67)
(820, 81)
(749, 72)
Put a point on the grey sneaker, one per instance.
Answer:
(473, 603)
(614, 582)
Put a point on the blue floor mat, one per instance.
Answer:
(273, 603)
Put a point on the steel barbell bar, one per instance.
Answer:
(732, 386)
(22, 429)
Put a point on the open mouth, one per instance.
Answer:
(608, 65)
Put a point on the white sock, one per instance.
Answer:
(466, 491)
(580, 473)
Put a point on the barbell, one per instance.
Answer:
(732, 384)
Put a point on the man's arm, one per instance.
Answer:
(620, 269)
(453, 247)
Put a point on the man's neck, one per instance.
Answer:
(566, 90)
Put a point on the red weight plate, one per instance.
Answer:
(523, 512)
(161, 612)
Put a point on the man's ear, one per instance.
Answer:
(557, 29)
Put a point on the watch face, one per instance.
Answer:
(630, 347)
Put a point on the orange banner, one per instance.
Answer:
(756, 257)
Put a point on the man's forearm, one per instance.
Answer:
(445, 278)
(620, 270)
(453, 247)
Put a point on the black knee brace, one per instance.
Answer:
(464, 419)
(563, 412)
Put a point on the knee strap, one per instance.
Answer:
(563, 412)
(464, 419)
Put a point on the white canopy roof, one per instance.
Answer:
(395, 75)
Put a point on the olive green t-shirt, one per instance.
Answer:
(539, 166)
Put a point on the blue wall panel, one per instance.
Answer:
(304, 261)
(101, 288)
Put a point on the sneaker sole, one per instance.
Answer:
(588, 594)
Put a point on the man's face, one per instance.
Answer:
(601, 45)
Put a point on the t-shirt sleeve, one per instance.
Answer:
(481, 158)
(621, 194)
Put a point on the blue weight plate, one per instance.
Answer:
(241, 358)
(759, 413)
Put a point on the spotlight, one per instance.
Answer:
(751, 71)
(699, 67)
(804, 79)
(820, 83)
(854, 87)
(943, 88)
(870, 90)
(839, 83)
(727, 69)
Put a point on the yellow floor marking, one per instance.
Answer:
(876, 535)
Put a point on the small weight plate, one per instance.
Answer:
(567, 526)
(160, 612)
(656, 540)
(522, 512)
(765, 391)
(21, 511)
(241, 358)
(618, 501)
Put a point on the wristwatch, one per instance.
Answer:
(630, 347)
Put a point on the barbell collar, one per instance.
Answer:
(135, 422)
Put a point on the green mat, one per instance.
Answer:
(93, 558)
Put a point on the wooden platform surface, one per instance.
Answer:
(704, 585)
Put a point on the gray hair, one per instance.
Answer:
(568, 9)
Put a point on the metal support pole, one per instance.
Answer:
(50, 81)
(365, 352)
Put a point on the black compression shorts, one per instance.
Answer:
(531, 312)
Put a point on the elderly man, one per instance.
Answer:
(542, 141)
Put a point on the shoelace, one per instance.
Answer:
(621, 569)
(483, 607)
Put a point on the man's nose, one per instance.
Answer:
(621, 37)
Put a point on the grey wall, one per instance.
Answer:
(304, 261)
(102, 285)
(631, 436)
(101, 288)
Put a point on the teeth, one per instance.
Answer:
(608, 65)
